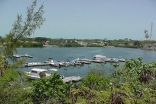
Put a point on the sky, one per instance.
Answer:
(85, 19)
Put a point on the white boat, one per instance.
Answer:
(17, 56)
(107, 59)
(57, 63)
(122, 60)
(26, 55)
(99, 57)
(76, 62)
(113, 60)
(35, 73)
(50, 60)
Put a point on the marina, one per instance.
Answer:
(75, 62)
(35, 73)
(42, 58)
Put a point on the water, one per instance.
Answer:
(63, 53)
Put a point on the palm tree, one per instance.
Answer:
(146, 34)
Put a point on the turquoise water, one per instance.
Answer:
(63, 53)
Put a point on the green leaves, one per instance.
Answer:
(95, 80)
(10, 78)
(49, 88)
(138, 76)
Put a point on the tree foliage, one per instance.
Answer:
(49, 90)
(23, 29)
(11, 80)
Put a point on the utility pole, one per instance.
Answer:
(151, 31)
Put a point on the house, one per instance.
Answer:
(82, 43)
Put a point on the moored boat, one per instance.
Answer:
(26, 55)
(99, 57)
(17, 56)
(37, 73)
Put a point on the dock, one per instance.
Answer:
(31, 64)
(77, 62)
(72, 79)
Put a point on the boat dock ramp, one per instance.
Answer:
(61, 64)
(76, 62)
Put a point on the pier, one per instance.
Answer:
(76, 62)
(72, 79)
(31, 64)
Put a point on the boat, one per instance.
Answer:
(76, 62)
(26, 55)
(37, 73)
(113, 60)
(99, 57)
(49, 60)
(121, 60)
(55, 63)
(17, 56)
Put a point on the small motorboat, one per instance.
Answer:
(26, 55)
(17, 56)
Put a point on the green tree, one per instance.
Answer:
(95, 80)
(23, 29)
(12, 91)
(137, 43)
(49, 90)
(137, 81)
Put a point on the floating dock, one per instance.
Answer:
(31, 64)
(72, 79)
